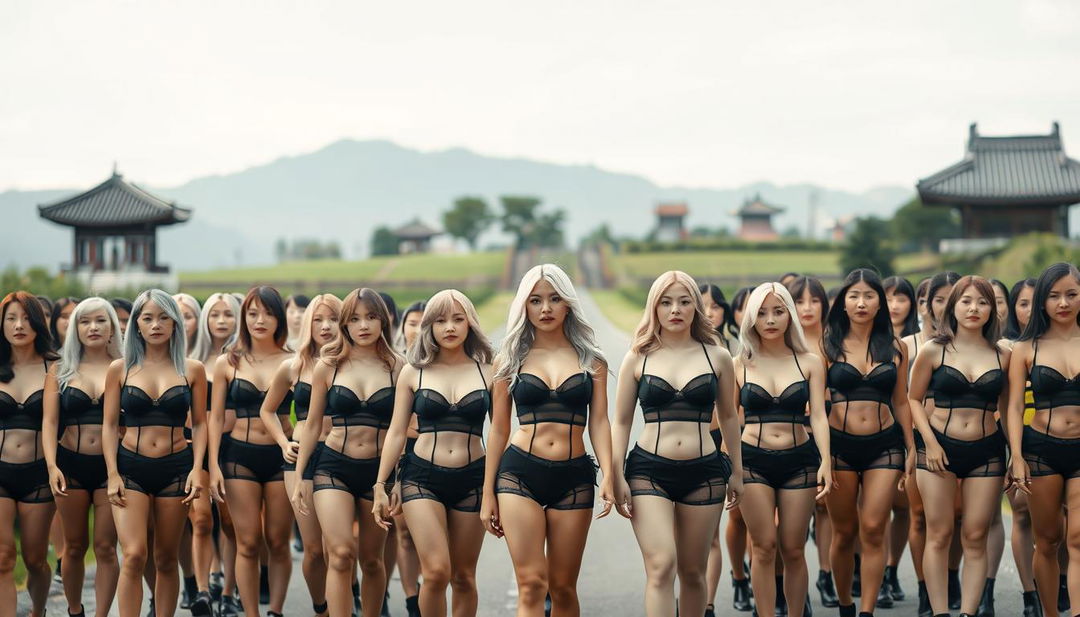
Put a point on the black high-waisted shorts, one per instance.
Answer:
(978, 458)
(559, 485)
(162, 476)
(791, 469)
(859, 453)
(340, 472)
(1048, 456)
(254, 462)
(309, 471)
(697, 481)
(25, 482)
(456, 488)
(86, 472)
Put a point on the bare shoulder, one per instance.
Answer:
(194, 370)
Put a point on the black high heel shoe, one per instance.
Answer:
(827, 589)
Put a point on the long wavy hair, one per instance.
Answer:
(520, 332)
(647, 335)
(882, 347)
(728, 329)
(900, 285)
(43, 343)
(135, 346)
(948, 326)
(308, 351)
(72, 352)
(338, 350)
(1040, 320)
(269, 299)
(1012, 322)
(750, 341)
(204, 340)
(425, 348)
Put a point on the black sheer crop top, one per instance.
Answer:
(78, 408)
(247, 399)
(846, 383)
(567, 404)
(21, 416)
(138, 409)
(301, 396)
(346, 409)
(761, 407)
(1050, 388)
(435, 414)
(694, 402)
(953, 390)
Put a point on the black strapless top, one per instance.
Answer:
(848, 384)
(77, 408)
(301, 396)
(567, 404)
(248, 399)
(21, 416)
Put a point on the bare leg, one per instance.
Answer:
(1045, 503)
(8, 555)
(525, 525)
(170, 517)
(691, 524)
(981, 498)
(654, 527)
(371, 550)
(735, 537)
(795, 508)
(898, 528)
(430, 531)
(937, 491)
(878, 490)
(131, 527)
(202, 542)
(759, 507)
(844, 513)
(245, 504)
(34, 523)
(823, 535)
(107, 573)
(466, 535)
(1023, 541)
(714, 569)
(73, 513)
(917, 528)
(407, 559)
(1072, 495)
(313, 563)
(567, 531)
(336, 511)
(277, 522)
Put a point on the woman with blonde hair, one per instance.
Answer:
(675, 479)
(539, 492)
(441, 479)
(318, 328)
(352, 384)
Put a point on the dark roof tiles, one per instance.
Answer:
(112, 203)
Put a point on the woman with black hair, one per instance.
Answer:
(738, 303)
(1001, 300)
(246, 465)
(1044, 464)
(720, 315)
(903, 311)
(25, 353)
(122, 306)
(870, 427)
(295, 305)
(58, 319)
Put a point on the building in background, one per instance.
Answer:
(115, 240)
(415, 237)
(671, 222)
(755, 220)
(1006, 186)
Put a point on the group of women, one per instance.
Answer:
(869, 415)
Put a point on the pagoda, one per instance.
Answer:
(755, 218)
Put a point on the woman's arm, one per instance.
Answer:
(196, 376)
(394, 443)
(498, 436)
(625, 402)
(819, 422)
(50, 428)
(216, 425)
(321, 377)
(1019, 370)
(279, 389)
(110, 431)
(600, 436)
(1005, 357)
(916, 406)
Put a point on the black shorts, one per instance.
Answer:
(559, 485)
(84, 472)
(309, 471)
(696, 482)
(978, 458)
(253, 462)
(161, 476)
(456, 488)
(859, 453)
(790, 469)
(337, 471)
(1050, 456)
(410, 445)
(25, 482)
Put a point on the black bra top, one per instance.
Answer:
(346, 409)
(661, 402)
(761, 407)
(247, 399)
(1050, 388)
(953, 390)
(567, 404)
(77, 408)
(170, 409)
(847, 384)
(435, 414)
(301, 396)
(21, 416)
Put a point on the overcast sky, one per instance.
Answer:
(699, 93)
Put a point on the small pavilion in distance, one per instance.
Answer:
(115, 240)
(1006, 186)
(671, 221)
(755, 218)
(415, 237)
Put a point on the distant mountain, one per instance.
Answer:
(346, 189)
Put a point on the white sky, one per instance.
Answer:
(699, 93)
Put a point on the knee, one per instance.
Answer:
(341, 556)
(135, 559)
(163, 563)
(247, 548)
(372, 566)
(313, 552)
(104, 551)
(202, 524)
(844, 536)
(660, 570)
(976, 537)
(873, 533)
(792, 554)
(75, 548)
(436, 573)
(563, 593)
(691, 575)
(939, 537)
(764, 550)
(7, 561)
(1047, 541)
(463, 581)
(278, 546)
(532, 586)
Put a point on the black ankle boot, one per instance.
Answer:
(986, 604)
(884, 595)
(847, 611)
(740, 598)
(1032, 606)
(1063, 594)
(954, 590)
(81, 613)
(895, 591)
(865, 614)
(856, 578)
(827, 589)
(264, 585)
(924, 609)
(781, 600)
(320, 609)
(412, 606)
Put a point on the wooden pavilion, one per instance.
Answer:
(671, 221)
(755, 218)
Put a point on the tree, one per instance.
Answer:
(467, 219)
(919, 226)
(384, 242)
(869, 246)
(519, 216)
(548, 230)
(281, 249)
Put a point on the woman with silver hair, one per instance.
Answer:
(539, 492)
(191, 311)
(153, 472)
(676, 479)
(77, 472)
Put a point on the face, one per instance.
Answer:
(260, 322)
(324, 325)
(191, 320)
(1023, 306)
(941, 297)
(972, 310)
(772, 319)
(546, 309)
(737, 314)
(923, 307)
(94, 329)
(123, 316)
(1001, 303)
(861, 303)
(809, 309)
(675, 310)
(411, 327)
(62, 321)
(221, 321)
(451, 328)
(713, 311)
(899, 306)
(1063, 303)
(364, 325)
(17, 328)
(294, 315)
(155, 326)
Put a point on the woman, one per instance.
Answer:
(59, 319)
(318, 328)
(783, 471)
(903, 311)
(190, 310)
(738, 302)
(295, 305)
(442, 477)
(960, 445)
(353, 384)
(153, 472)
(77, 474)
(122, 306)
(870, 428)
(539, 491)
(246, 464)
(1001, 300)
(675, 478)
(25, 354)
(720, 316)
(1044, 464)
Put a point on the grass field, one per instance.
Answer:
(623, 313)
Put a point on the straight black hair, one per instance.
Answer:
(728, 329)
(939, 280)
(57, 308)
(901, 285)
(882, 347)
(300, 300)
(391, 307)
(1012, 322)
(1040, 320)
(271, 300)
(800, 284)
(43, 343)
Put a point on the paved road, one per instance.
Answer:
(612, 577)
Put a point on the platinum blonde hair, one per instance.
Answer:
(135, 346)
(749, 341)
(189, 301)
(72, 351)
(647, 335)
(520, 332)
(204, 341)
(425, 348)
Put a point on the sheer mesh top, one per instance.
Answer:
(694, 402)
(567, 404)
(25, 416)
(953, 390)
(138, 409)
(847, 384)
(78, 408)
(1050, 388)
(761, 407)
(301, 396)
(435, 414)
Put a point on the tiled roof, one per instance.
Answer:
(757, 206)
(415, 230)
(113, 202)
(672, 209)
(1029, 169)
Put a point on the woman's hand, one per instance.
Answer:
(489, 515)
(607, 496)
(57, 482)
(382, 506)
(193, 486)
(116, 491)
(299, 499)
(217, 484)
(824, 478)
(734, 492)
(290, 451)
(623, 503)
(909, 469)
(1020, 475)
(936, 460)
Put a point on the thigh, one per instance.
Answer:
(7, 529)
(34, 522)
(104, 525)
(245, 504)
(982, 502)
(372, 537)
(466, 535)
(1072, 501)
(170, 516)
(843, 502)
(278, 515)
(795, 508)
(878, 492)
(567, 532)
(654, 527)
(938, 490)
(336, 511)
(758, 507)
(133, 521)
(428, 526)
(1044, 504)
(525, 527)
(692, 524)
(74, 511)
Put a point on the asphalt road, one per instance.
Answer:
(612, 578)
